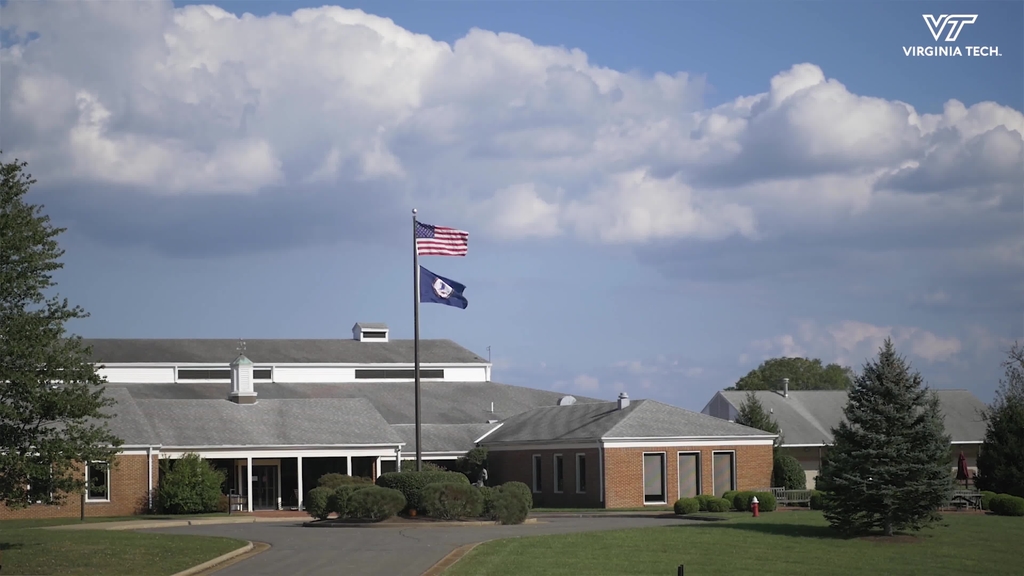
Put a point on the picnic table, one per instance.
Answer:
(970, 499)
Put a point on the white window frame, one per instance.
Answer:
(734, 483)
(580, 455)
(554, 473)
(537, 462)
(679, 476)
(255, 368)
(88, 481)
(664, 478)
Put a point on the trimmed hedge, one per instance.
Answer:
(451, 501)
(766, 501)
(375, 503)
(190, 485)
(1007, 505)
(521, 491)
(718, 505)
(787, 473)
(411, 483)
(487, 497)
(728, 495)
(986, 497)
(509, 507)
(340, 501)
(316, 502)
(817, 500)
(686, 506)
(703, 500)
(335, 480)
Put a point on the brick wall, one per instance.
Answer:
(518, 466)
(128, 494)
(624, 486)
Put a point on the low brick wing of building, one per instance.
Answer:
(626, 454)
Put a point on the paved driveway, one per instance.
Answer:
(384, 551)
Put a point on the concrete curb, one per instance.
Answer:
(404, 525)
(218, 560)
(149, 525)
(450, 559)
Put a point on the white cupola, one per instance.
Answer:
(242, 391)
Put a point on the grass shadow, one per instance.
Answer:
(8, 546)
(775, 529)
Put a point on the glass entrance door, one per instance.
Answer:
(264, 487)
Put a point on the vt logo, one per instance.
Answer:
(953, 22)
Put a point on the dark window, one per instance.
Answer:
(375, 335)
(261, 374)
(724, 469)
(581, 473)
(654, 478)
(397, 374)
(559, 473)
(97, 480)
(538, 474)
(203, 374)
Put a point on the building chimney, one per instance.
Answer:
(785, 387)
(623, 400)
(241, 381)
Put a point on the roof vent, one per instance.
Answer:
(623, 400)
(370, 332)
(492, 421)
(566, 400)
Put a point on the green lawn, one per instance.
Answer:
(778, 543)
(25, 549)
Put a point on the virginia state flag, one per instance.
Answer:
(441, 290)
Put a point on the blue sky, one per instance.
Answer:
(659, 194)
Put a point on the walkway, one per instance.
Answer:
(399, 551)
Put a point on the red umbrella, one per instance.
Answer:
(962, 472)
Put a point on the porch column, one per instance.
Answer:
(299, 502)
(348, 465)
(279, 485)
(398, 459)
(376, 469)
(248, 480)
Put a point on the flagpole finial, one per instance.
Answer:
(414, 211)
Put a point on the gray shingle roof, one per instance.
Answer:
(442, 437)
(223, 351)
(372, 326)
(808, 416)
(128, 422)
(442, 402)
(590, 421)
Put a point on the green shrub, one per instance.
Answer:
(317, 502)
(411, 483)
(410, 466)
(450, 501)
(375, 503)
(718, 505)
(1007, 505)
(190, 485)
(817, 500)
(335, 480)
(521, 491)
(787, 473)
(487, 496)
(728, 495)
(766, 501)
(340, 500)
(510, 507)
(741, 501)
(986, 498)
(703, 500)
(686, 506)
(472, 463)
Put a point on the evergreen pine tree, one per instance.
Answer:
(889, 465)
(51, 398)
(1001, 460)
(753, 414)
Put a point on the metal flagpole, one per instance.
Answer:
(416, 339)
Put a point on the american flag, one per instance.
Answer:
(440, 241)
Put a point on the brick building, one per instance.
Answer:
(626, 454)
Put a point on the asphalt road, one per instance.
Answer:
(396, 551)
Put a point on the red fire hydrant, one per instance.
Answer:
(753, 506)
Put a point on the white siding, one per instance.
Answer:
(313, 374)
(138, 375)
(466, 374)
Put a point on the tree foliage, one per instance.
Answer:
(787, 473)
(472, 463)
(889, 465)
(191, 485)
(51, 397)
(1001, 460)
(803, 374)
(753, 414)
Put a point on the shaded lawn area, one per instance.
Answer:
(778, 543)
(25, 549)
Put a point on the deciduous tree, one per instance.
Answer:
(51, 397)
(803, 374)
